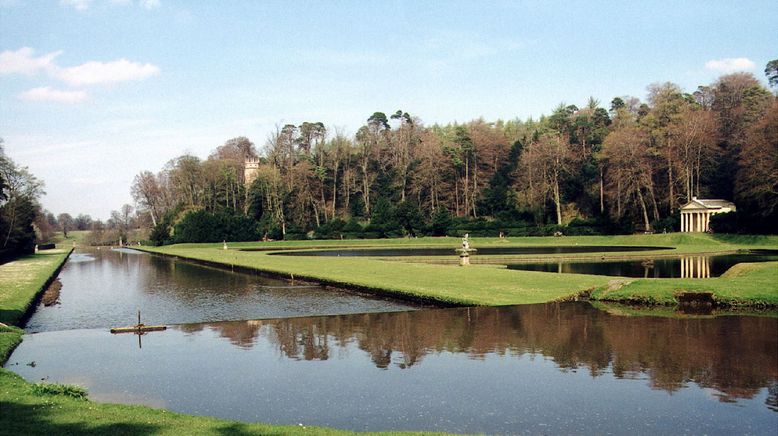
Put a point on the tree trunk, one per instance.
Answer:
(13, 221)
(557, 202)
(602, 192)
(466, 186)
(643, 207)
(366, 190)
(652, 197)
(475, 186)
(315, 212)
(456, 197)
(671, 193)
(334, 189)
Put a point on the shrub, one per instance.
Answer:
(330, 229)
(72, 391)
(441, 222)
(668, 224)
(160, 234)
(725, 222)
(202, 226)
(353, 226)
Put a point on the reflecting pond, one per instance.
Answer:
(683, 267)
(553, 368)
(105, 288)
(391, 252)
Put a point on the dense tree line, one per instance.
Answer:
(591, 169)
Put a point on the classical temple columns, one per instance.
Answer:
(695, 221)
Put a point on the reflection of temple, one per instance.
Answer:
(575, 335)
(695, 267)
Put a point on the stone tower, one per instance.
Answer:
(250, 170)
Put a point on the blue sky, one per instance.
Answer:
(93, 92)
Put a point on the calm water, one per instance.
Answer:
(686, 267)
(106, 288)
(391, 252)
(556, 368)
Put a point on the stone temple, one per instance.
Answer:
(695, 215)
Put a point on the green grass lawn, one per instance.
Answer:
(22, 279)
(77, 236)
(745, 284)
(493, 284)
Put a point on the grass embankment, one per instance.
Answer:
(77, 237)
(46, 409)
(23, 279)
(744, 285)
(747, 284)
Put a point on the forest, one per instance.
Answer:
(588, 169)
(624, 168)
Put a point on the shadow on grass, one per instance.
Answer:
(11, 316)
(238, 429)
(24, 419)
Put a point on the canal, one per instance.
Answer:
(106, 288)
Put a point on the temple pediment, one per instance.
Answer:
(699, 204)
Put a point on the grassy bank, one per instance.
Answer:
(745, 285)
(23, 279)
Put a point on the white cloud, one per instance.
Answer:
(79, 5)
(149, 4)
(95, 72)
(23, 61)
(730, 65)
(46, 93)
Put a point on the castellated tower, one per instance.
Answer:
(250, 170)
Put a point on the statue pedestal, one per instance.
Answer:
(464, 255)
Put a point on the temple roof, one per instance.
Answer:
(710, 204)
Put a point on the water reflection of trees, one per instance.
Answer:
(734, 355)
